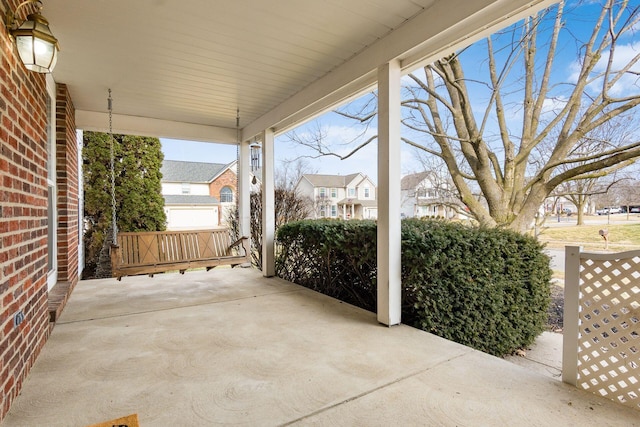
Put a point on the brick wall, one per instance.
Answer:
(23, 217)
(227, 179)
(67, 181)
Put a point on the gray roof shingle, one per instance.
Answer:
(196, 172)
(334, 181)
(188, 199)
(411, 181)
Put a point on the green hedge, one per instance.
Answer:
(337, 258)
(485, 288)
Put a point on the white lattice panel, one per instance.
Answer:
(609, 331)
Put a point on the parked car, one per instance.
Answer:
(609, 210)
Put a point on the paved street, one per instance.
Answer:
(568, 221)
(557, 258)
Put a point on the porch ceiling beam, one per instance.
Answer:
(436, 31)
(144, 126)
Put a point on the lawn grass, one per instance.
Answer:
(622, 237)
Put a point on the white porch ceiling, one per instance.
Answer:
(180, 68)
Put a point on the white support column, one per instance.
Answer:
(389, 235)
(268, 205)
(244, 190)
(571, 314)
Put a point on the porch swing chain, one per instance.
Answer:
(113, 171)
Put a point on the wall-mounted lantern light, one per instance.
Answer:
(37, 46)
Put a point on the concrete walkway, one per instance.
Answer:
(544, 356)
(231, 347)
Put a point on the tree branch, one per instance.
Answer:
(608, 162)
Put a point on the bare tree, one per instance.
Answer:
(515, 176)
(321, 206)
(587, 191)
(290, 172)
(581, 190)
(513, 133)
(289, 206)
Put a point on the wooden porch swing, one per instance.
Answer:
(152, 252)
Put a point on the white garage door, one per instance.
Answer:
(192, 218)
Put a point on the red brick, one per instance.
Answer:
(23, 217)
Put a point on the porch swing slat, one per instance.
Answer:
(152, 252)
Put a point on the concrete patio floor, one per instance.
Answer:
(231, 347)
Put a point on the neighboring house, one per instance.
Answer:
(340, 196)
(197, 194)
(423, 194)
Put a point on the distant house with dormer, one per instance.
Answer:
(424, 195)
(340, 196)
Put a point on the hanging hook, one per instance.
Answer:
(11, 17)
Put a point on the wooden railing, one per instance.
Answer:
(601, 349)
(151, 252)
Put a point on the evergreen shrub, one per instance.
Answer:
(485, 288)
(336, 258)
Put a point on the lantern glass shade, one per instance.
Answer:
(37, 47)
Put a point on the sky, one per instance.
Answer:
(338, 133)
(365, 161)
(192, 151)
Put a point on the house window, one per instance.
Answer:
(427, 193)
(352, 192)
(334, 193)
(322, 192)
(334, 211)
(186, 188)
(366, 192)
(226, 195)
(323, 211)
